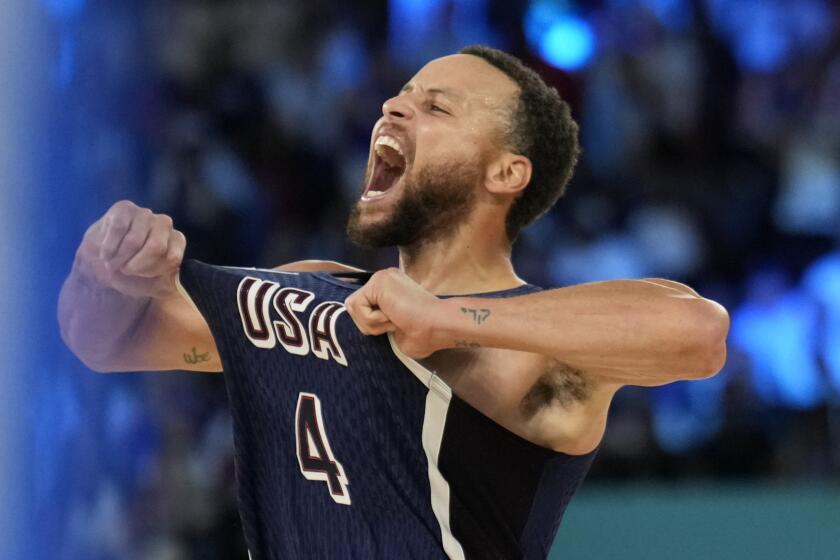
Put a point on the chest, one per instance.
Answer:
(288, 326)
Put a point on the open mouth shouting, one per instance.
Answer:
(389, 165)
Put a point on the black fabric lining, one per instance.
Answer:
(503, 432)
(359, 277)
(500, 482)
(335, 278)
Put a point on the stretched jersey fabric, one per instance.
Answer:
(347, 448)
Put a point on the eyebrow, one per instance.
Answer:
(433, 90)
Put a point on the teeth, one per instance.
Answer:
(374, 194)
(390, 142)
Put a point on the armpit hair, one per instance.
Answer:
(561, 384)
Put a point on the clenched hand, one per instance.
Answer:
(393, 302)
(133, 251)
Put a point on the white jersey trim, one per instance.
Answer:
(421, 373)
(434, 422)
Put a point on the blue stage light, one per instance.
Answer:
(763, 48)
(538, 18)
(761, 34)
(568, 44)
(564, 40)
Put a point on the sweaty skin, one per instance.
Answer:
(544, 365)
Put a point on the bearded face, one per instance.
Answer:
(430, 153)
(432, 203)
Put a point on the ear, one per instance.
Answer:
(508, 174)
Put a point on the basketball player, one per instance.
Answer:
(442, 409)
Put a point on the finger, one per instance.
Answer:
(360, 306)
(374, 315)
(381, 328)
(116, 226)
(368, 328)
(357, 320)
(150, 260)
(174, 253)
(377, 326)
(361, 315)
(355, 304)
(176, 249)
(132, 241)
(353, 310)
(90, 247)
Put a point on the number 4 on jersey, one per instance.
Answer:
(314, 454)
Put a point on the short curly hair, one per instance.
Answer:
(542, 129)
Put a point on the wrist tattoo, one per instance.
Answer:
(478, 315)
(196, 358)
(466, 344)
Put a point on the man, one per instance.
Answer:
(415, 424)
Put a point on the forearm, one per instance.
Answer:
(96, 321)
(120, 309)
(629, 330)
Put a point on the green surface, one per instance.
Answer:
(701, 522)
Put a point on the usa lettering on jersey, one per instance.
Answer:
(272, 314)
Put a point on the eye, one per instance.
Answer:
(438, 109)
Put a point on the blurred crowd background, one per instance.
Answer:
(711, 135)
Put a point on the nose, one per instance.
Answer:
(398, 108)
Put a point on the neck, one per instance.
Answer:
(468, 261)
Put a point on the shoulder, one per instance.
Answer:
(316, 266)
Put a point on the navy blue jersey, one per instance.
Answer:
(347, 448)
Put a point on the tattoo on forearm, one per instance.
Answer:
(478, 315)
(466, 344)
(195, 357)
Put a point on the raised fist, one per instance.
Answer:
(393, 302)
(133, 250)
